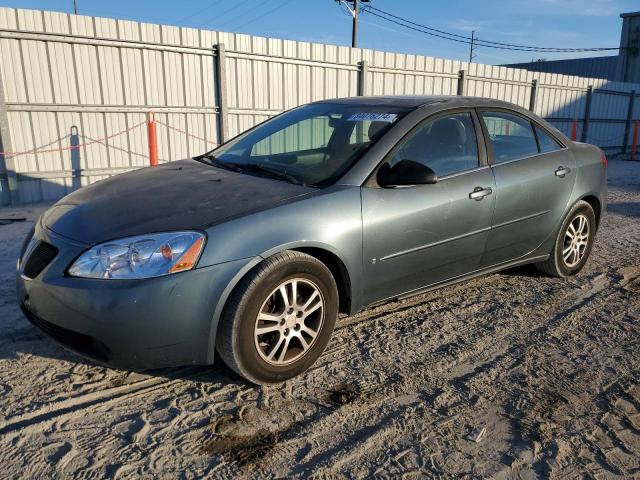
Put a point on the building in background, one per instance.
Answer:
(624, 67)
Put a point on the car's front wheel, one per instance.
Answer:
(573, 243)
(279, 318)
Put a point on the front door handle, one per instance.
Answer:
(562, 171)
(479, 193)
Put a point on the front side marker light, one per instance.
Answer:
(189, 258)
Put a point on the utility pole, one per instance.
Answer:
(354, 11)
(354, 29)
(75, 6)
(472, 46)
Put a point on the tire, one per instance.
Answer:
(557, 265)
(289, 324)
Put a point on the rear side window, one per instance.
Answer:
(511, 136)
(546, 142)
(447, 145)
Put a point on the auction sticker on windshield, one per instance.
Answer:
(373, 117)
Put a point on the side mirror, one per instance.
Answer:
(405, 173)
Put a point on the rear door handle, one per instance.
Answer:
(562, 171)
(479, 193)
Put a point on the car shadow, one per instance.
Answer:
(628, 209)
(28, 339)
(528, 270)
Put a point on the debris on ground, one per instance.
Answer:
(476, 434)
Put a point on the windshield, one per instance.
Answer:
(310, 145)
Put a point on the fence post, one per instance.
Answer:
(363, 70)
(574, 130)
(462, 74)
(534, 94)
(634, 143)
(627, 125)
(153, 139)
(7, 146)
(587, 113)
(76, 170)
(220, 66)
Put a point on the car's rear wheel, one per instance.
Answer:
(279, 319)
(573, 243)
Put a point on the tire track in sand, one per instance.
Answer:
(57, 410)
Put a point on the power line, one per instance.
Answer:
(197, 12)
(231, 21)
(223, 13)
(389, 17)
(268, 12)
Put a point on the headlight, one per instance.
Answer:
(144, 256)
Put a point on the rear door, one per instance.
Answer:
(424, 234)
(534, 176)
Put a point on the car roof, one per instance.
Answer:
(416, 101)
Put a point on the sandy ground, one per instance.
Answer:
(549, 367)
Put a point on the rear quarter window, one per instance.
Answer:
(547, 142)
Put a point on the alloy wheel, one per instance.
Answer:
(576, 240)
(289, 321)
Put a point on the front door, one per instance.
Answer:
(534, 179)
(421, 235)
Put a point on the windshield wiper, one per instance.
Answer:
(212, 160)
(252, 167)
(273, 172)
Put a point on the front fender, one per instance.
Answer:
(330, 220)
(224, 286)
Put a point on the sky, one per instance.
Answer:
(545, 23)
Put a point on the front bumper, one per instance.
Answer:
(130, 324)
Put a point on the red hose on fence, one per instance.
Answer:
(72, 147)
(184, 132)
(152, 125)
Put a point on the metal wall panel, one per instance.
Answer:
(596, 67)
(98, 78)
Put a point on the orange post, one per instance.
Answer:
(153, 139)
(634, 143)
(574, 130)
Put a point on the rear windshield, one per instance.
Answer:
(310, 145)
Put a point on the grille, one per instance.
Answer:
(83, 344)
(38, 259)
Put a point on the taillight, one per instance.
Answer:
(603, 158)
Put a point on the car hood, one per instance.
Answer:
(185, 194)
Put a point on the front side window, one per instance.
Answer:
(447, 145)
(311, 145)
(511, 136)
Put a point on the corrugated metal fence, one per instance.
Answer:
(70, 80)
